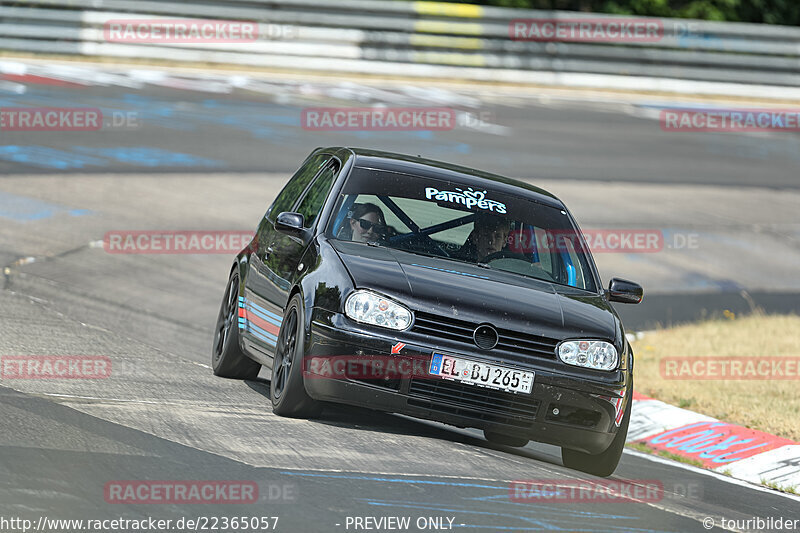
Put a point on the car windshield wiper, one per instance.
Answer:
(483, 265)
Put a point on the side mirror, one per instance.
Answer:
(290, 224)
(624, 291)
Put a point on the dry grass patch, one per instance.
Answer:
(772, 406)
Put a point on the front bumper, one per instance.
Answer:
(565, 408)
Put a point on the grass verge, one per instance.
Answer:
(768, 405)
(790, 489)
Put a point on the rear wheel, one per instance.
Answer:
(227, 359)
(288, 394)
(602, 464)
(505, 440)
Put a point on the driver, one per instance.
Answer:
(488, 237)
(366, 223)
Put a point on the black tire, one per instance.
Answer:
(602, 464)
(505, 440)
(227, 359)
(286, 390)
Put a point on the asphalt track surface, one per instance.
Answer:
(162, 415)
(608, 158)
(527, 136)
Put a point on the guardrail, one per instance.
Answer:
(429, 39)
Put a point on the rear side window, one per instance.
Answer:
(294, 189)
(315, 197)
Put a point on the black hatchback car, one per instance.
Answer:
(418, 287)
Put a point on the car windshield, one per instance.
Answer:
(451, 220)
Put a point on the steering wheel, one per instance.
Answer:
(532, 269)
(420, 238)
(505, 254)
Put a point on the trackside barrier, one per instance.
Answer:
(425, 39)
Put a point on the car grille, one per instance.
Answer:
(474, 402)
(519, 346)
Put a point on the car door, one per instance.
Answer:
(286, 251)
(264, 288)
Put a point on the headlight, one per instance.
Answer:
(599, 355)
(371, 308)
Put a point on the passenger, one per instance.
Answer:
(367, 223)
(488, 236)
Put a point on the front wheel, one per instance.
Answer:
(602, 464)
(288, 394)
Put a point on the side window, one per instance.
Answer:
(292, 191)
(315, 197)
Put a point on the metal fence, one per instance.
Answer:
(429, 39)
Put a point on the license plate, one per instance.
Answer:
(483, 374)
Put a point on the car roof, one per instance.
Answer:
(420, 166)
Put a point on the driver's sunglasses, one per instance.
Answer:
(366, 225)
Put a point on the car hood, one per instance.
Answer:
(467, 292)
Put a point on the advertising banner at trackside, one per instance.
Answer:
(716, 444)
